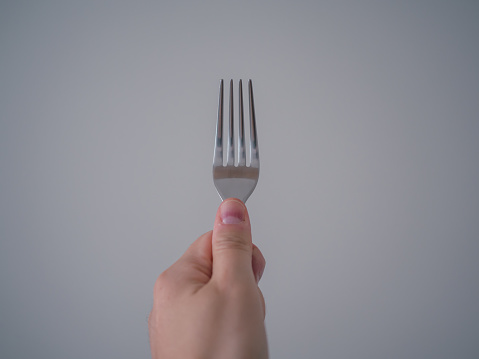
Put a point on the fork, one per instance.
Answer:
(238, 179)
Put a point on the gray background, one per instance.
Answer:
(367, 206)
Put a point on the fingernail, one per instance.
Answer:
(258, 263)
(232, 212)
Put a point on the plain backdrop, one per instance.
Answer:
(367, 207)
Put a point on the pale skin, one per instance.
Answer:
(208, 304)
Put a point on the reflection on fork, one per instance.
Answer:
(238, 180)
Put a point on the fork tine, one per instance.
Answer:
(218, 152)
(254, 152)
(241, 148)
(231, 148)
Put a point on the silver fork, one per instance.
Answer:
(236, 180)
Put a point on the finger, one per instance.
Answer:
(258, 263)
(263, 303)
(231, 243)
(194, 268)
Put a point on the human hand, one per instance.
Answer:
(208, 304)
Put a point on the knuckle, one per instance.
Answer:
(233, 241)
(162, 283)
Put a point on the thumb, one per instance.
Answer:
(232, 247)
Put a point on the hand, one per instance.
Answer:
(208, 304)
